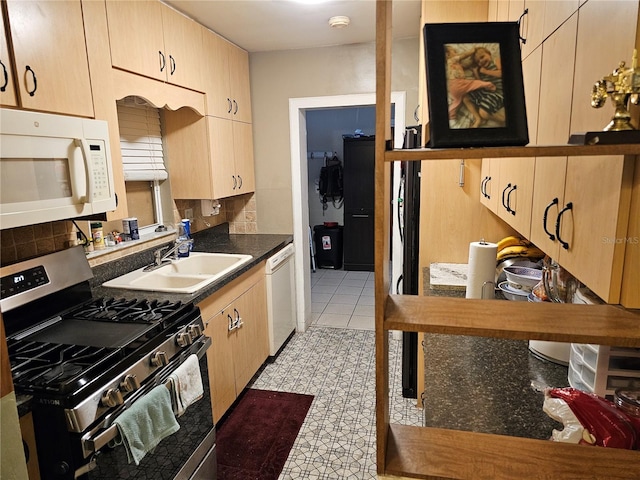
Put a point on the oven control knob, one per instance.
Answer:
(159, 359)
(195, 331)
(129, 383)
(61, 468)
(183, 339)
(112, 398)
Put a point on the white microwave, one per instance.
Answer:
(53, 167)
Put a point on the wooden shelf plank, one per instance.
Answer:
(596, 324)
(432, 453)
(501, 152)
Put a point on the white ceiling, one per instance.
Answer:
(266, 25)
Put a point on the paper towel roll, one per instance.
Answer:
(482, 269)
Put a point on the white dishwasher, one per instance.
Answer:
(281, 295)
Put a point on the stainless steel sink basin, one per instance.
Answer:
(183, 275)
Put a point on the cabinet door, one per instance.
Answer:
(215, 67)
(239, 81)
(548, 199)
(50, 56)
(531, 68)
(556, 85)
(616, 21)
(136, 38)
(490, 183)
(243, 157)
(223, 172)
(358, 241)
(252, 346)
(556, 12)
(221, 372)
(187, 148)
(598, 189)
(183, 49)
(533, 24)
(358, 174)
(516, 193)
(7, 89)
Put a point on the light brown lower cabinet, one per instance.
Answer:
(235, 318)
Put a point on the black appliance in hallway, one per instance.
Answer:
(409, 222)
(358, 180)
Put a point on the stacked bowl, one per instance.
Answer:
(520, 282)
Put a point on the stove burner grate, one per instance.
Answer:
(126, 311)
(39, 365)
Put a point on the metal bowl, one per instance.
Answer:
(511, 293)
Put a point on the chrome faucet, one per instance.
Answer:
(162, 256)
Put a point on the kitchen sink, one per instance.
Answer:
(182, 275)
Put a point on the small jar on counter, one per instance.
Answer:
(97, 235)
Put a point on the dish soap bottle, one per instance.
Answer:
(184, 234)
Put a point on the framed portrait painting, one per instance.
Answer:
(474, 85)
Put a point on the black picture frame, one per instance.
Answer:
(460, 59)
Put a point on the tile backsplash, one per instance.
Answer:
(34, 240)
(17, 244)
(239, 211)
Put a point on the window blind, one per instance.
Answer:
(140, 141)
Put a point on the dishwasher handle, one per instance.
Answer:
(274, 262)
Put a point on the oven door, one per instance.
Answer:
(187, 454)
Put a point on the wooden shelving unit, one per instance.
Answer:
(419, 154)
(432, 453)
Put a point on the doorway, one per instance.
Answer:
(298, 108)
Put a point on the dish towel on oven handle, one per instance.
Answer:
(186, 385)
(146, 423)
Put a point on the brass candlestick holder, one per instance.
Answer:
(623, 85)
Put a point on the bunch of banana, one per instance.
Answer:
(516, 247)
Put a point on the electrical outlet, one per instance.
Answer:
(188, 213)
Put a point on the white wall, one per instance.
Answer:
(278, 76)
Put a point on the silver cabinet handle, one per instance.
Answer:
(238, 321)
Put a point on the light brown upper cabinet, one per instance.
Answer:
(49, 57)
(7, 89)
(617, 22)
(580, 217)
(226, 77)
(151, 39)
(210, 157)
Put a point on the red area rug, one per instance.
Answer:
(254, 440)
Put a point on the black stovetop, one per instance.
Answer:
(68, 351)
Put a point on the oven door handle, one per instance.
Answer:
(107, 430)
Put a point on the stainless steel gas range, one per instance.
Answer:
(86, 360)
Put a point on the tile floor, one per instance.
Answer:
(337, 366)
(342, 299)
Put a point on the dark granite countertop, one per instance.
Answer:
(484, 384)
(216, 239)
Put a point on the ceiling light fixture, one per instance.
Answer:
(339, 21)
